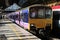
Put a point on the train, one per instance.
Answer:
(56, 21)
(33, 18)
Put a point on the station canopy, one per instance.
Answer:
(13, 7)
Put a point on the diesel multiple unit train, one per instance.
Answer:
(33, 18)
(37, 17)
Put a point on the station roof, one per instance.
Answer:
(13, 7)
(24, 3)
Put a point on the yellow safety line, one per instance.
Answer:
(14, 29)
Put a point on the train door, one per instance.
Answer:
(21, 20)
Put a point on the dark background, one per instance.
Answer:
(24, 3)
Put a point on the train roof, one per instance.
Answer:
(37, 5)
(27, 8)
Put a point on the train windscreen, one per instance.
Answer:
(40, 12)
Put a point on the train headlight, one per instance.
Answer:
(59, 21)
(32, 25)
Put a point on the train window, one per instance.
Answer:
(33, 13)
(16, 17)
(48, 13)
(41, 13)
(22, 16)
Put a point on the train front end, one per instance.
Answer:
(40, 18)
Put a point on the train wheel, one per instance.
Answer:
(33, 30)
(41, 31)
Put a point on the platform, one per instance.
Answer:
(14, 32)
